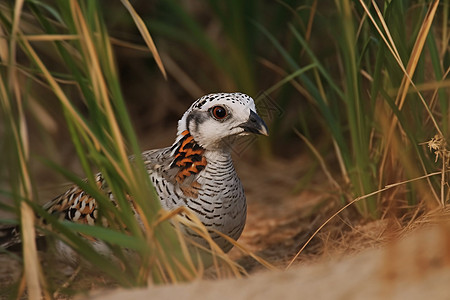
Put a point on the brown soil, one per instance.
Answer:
(417, 267)
(282, 216)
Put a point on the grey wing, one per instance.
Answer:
(159, 161)
(157, 157)
(162, 163)
(9, 235)
(78, 206)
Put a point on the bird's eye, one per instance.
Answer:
(219, 112)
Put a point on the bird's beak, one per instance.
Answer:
(255, 124)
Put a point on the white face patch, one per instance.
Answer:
(214, 117)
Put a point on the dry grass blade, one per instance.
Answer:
(388, 34)
(280, 71)
(4, 53)
(12, 43)
(311, 20)
(50, 37)
(320, 159)
(438, 144)
(99, 85)
(182, 78)
(55, 86)
(248, 252)
(387, 187)
(146, 35)
(387, 40)
(31, 260)
(408, 71)
(433, 86)
(407, 79)
(192, 222)
(59, 93)
(67, 283)
(416, 53)
(46, 119)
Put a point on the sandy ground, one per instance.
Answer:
(416, 267)
(347, 259)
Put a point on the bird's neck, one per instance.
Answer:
(191, 158)
(188, 156)
(186, 143)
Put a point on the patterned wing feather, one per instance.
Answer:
(179, 164)
(76, 205)
(9, 236)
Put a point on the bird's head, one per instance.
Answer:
(213, 118)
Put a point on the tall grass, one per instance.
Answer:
(66, 49)
(367, 90)
(18, 155)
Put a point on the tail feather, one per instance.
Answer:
(9, 236)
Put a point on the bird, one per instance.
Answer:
(196, 172)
